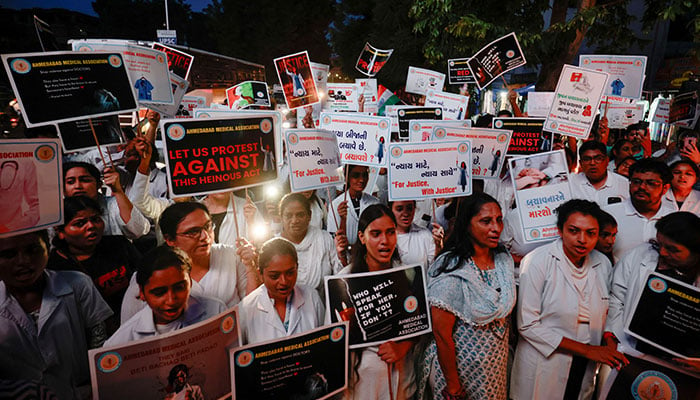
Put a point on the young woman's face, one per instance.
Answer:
(485, 227)
(79, 182)
(683, 177)
(84, 231)
(166, 293)
(22, 260)
(404, 212)
(380, 240)
(194, 235)
(280, 276)
(295, 219)
(626, 150)
(624, 168)
(579, 235)
(357, 178)
(606, 239)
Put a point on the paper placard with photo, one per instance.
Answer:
(420, 80)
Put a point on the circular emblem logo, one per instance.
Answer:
(440, 133)
(115, 61)
(553, 125)
(653, 385)
(410, 304)
(510, 53)
(203, 115)
(337, 334)
(535, 233)
(181, 84)
(586, 61)
(401, 113)
(452, 63)
(326, 120)
(84, 47)
(438, 111)
(300, 92)
(396, 152)
(245, 358)
(259, 94)
(176, 132)
(383, 124)
(266, 126)
(464, 100)
(462, 148)
(501, 138)
(227, 324)
(415, 126)
(430, 93)
(638, 63)
(293, 138)
(45, 153)
(21, 66)
(109, 362)
(498, 124)
(657, 285)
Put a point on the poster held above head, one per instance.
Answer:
(621, 115)
(684, 110)
(430, 170)
(179, 86)
(67, 86)
(495, 59)
(528, 136)
(458, 72)
(576, 100)
(421, 130)
(342, 97)
(488, 147)
(320, 72)
(626, 73)
(77, 135)
(297, 80)
(420, 80)
(454, 106)
(31, 185)
(189, 105)
(314, 159)
(405, 114)
(539, 103)
(371, 60)
(362, 139)
(369, 90)
(179, 62)
(310, 365)
(659, 110)
(247, 94)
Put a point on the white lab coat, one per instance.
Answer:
(691, 203)
(548, 312)
(260, 322)
(353, 218)
(316, 258)
(227, 231)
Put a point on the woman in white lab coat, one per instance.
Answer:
(563, 300)
(279, 307)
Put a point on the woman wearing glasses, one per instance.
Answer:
(220, 271)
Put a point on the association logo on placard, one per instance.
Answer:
(160, 59)
(293, 138)
(410, 304)
(586, 61)
(84, 47)
(653, 385)
(259, 94)
(21, 66)
(553, 125)
(657, 285)
(438, 111)
(383, 124)
(200, 102)
(502, 137)
(203, 115)
(637, 63)
(462, 148)
(245, 358)
(115, 61)
(464, 100)
(266, 125)
(535, 233)
(176, 132)
(440, 133)
(452, 63)
(109, 362)
(337, 333)
(45, 153)
(396, 152)
(415, 126)
(498, 124)
(402, 113)
(228, 323)
(326, 119)
(510, 53)
(430, 93)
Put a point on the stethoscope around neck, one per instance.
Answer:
(7, 169)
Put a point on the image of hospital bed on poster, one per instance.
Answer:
(311, 365)
(67, 86)
(379, 306)
(31, 183)
(314, 160)
(190, 363)
(488, 147)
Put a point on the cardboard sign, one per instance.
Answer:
(216, 155)
(454, 106)
(684, 110)
(666, 316)
(31, 185)
(342, 97)
(314, 159)
(458, 71)
(661, 108)
(541, 183)
(495, 59)
(421, 130)
(147, 368)
(368, 89)
(380, 306)
(528, 136)
(488, 147)
(576, 99)
(362, 139)
(179, 62)
(320, 72)
(297, 80)
(371, 60)
(310, 365)
(539, 103)
(420, 80)
(77, 135)
(430, 170)
(148, 68)
(246, 94)
(179, 86)
(405, 114)
(626, 73)
(650, 378)
(67, 86)
(188, 106)
(622, 115)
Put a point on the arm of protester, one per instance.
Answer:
(139, 194)
(692, 364)
(111, 179)
(601, 354)
(250, 211)
(646, 143)
(153, 120)
(691, 152)
(391, 352)
(438, 235)
(361, 103)
(513, 100)
(341, 245)
(443, 325)
(248, 255)
(603, 130)
(622, 277)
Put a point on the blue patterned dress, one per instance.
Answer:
(481, 328)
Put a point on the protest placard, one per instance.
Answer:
(684, 110)
(342, 97)
(384, 305)
(666, 315)
(371, 60)
(148, 68)
(179, 86)
(621, 115)
(454, 106)
(362, 139)
(368, 89)
(219, 154)
(189, 104)
(495, 59)
(576, 98)
(488, 147)
(297, 80)
(421, 130)
(420, 80)
(649, 377)
(541, 183)
(246, 94)
(67, 86)
(314, 159)
(405, 114)
(148, 368)
(31, 185)
(429, 170)
(310, 365)
(458, 71)
(626, 73)
(179, 62)
(320, 72)
(660, 108)
(528, 136)
(539, 103)
(77, 135)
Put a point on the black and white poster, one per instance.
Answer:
(458, 71)
(371, 60)
(77, 135)
(495, 59)
(528, 136)
(652, 379)
(408, 113)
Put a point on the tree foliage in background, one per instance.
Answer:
(460, 28)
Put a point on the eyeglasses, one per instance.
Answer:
(596, 159)
(650, 183)
(196, 232)
(357, 175)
